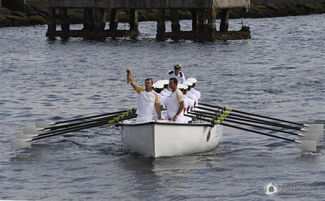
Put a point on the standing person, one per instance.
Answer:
(148, 100)
(175, 102)
(177, 73)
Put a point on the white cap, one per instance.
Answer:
(192, 79)
(182, 86)
(158, 85)
(164, 82)
(188, 83)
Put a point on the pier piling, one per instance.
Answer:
(203, 13)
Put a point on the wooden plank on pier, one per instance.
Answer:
(149, 4)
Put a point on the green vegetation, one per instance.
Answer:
(4, 22)
(37, 20)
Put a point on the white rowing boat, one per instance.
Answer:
(166, 138)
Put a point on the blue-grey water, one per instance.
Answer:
(280, 72)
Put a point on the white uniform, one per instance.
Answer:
(165, 92)
(173, 103)
(193, 97)
(180, 77)
(146, 105)
(188, 102)
(196, 93)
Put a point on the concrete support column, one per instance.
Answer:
(51, 23)
(194, 20)
(211, 28)
(88, 19)
(176, 27)
(114, 20)
(161, 26)
(224, 15)
(65, 25)
(99, 19)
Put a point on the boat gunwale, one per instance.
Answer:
(165, 123)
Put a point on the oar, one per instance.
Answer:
(257, 115)
(243, 123)
(312, 133)
(44, 124)
(306, 145)
(25, 141)
(256, 120)
(29, 130)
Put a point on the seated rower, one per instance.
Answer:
(189, 94)
(158, 87)
(193, 90)
(188, 103)
(148, 100)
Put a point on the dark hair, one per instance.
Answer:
(174, 80)
(149, 79)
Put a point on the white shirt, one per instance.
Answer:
(165, 92)
(188, 102)
(193, 97)
(146, 104)
(196, 93)
(180, 77)
(173, 103)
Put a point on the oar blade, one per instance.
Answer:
(27, 136)
(44, 124)
(29, 130)
(307, 145)
(314, 132)
(20, 143)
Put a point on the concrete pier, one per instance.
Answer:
(204, 14)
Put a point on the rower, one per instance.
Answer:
(190, 94)
(177, 73)
(193, 90)
(148, 100)
(188, 103)
(175, 102)
(158, 87)
(165, 92)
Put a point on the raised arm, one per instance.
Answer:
(130, 79)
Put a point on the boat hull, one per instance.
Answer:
(165, 138)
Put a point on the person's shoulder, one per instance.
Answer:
(181, 74)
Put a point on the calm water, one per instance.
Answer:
(279, 72)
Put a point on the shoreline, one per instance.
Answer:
(33, 16)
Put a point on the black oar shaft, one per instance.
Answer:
(249, 130)
(261, 121)
(79, 123)
(243, 123)
(247, 113)
(261, 133)
(77, 128)
(89, 117)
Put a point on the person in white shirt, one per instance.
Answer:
(165, 92)
(148, 100)
(175, 102)
(193, 90)
(188, 103)
(177, 73)
(190, 94)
